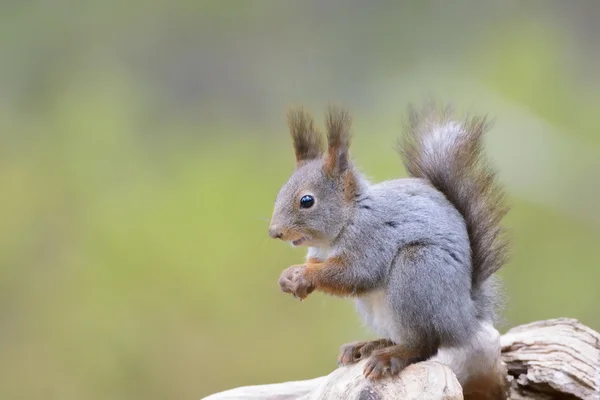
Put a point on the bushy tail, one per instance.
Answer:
(449, 154)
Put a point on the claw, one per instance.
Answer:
(380, 366)
(395, 366)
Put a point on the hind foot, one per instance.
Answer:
(390, 361)
(354, 352)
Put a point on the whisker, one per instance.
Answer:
(262, 242)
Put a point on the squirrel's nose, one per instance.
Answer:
(275, 233)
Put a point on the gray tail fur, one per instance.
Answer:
(449, 154)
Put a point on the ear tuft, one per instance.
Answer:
(337, 122)
(308, 142)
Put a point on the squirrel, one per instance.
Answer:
(417, 254)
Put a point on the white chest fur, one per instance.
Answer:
(378, 315)
(373, 307)
(320, 253)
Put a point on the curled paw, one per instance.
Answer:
(354, 352)
(381, 365)
(293, 280)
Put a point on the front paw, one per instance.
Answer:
(293, 280)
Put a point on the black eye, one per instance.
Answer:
(307, 201)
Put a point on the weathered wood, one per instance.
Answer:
(556, 357)
(419, 381)
(550, 359)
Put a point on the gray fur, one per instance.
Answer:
(408, 246)
(449, 154)
(320, 223)
(429, 293)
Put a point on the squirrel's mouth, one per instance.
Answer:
(298, 242)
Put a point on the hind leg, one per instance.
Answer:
(428, 294)
(354, 352)
(478, 365)
(391, 360)
(491, 386)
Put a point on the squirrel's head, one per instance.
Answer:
(315, 203)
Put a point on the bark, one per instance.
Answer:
(551, 359)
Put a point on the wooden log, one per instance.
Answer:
(557, 358)
(549, 359)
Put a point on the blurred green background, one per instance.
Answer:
(143, 143)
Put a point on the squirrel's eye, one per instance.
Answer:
(307, 201)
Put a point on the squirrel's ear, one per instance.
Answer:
(337, 121)
(308, 142)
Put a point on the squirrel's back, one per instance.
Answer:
(449, 154)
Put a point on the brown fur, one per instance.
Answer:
(337, 123)
(301, 280)
(354, 352)
(411, 250)
(350, 185)
(293, 280)
(392, 360)
(491, 386)
(289, 234)
(308, 142)
(466, 179)
(325, 278)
